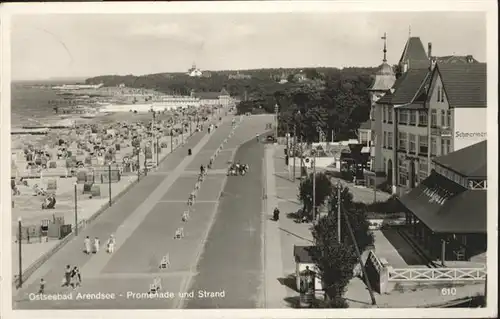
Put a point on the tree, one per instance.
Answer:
(323, 190)
(336, 260)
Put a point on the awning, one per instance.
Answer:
(447, 207)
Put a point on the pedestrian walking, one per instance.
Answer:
(42, 286)
(111, 244)
(67, 276)
(74, 278)
(86, 243)
(97, 243)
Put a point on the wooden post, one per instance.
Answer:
(443, 252)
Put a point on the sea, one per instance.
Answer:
(30, 105)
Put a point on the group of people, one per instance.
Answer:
(92, 247)
(238, 169)
(72, 278)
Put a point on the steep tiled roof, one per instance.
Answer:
(207, 95)
(469, 161)
(464, 84)
(411, 83)
(450, 59)
(414, 53)
(446, 207)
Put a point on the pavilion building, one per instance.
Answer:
(446, 214)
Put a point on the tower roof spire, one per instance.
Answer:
(409, 31)
(385, 47)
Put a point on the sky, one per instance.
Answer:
(85, 45)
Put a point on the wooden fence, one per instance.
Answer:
(437, 274)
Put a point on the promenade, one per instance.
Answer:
(87, 208)
(144, 222)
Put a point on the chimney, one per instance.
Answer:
(429, 49)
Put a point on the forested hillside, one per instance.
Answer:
(329, 98)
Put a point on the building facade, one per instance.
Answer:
(424, 114)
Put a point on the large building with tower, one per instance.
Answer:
(435, 106)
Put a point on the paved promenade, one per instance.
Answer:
(144, 223)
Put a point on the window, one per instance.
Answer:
(445, 146)
(433, 146)
(448, 118)
(385, 139)
(423, 145)
(439, 94)
(422, 169)
(433, 118)
(422, 118)
(402, 141)
(442, 95)
(413, 117)
(413, 143)
(389, 140)
(403, 117)
(403, 172)
(384, 113)
(443, 118)
(389, 115)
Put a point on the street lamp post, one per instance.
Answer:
(157, 151)
(109, 184)
(314, 183)
(138, 150)
(76, 209)
(339, 200)
(19, 239)
(145, 161)
(294, 149)
(171, 140)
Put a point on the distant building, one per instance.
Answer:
(239, 76)
(365, 133)
(300, 77)
(194, 71)
(222, 98)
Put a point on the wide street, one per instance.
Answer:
(231, 261)
(223, 257)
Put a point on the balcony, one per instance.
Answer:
(443, 131)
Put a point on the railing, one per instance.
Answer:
(437, 274)
(375, 261)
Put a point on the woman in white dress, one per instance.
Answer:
(97, 243)
(86, 242)
(111, 244)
